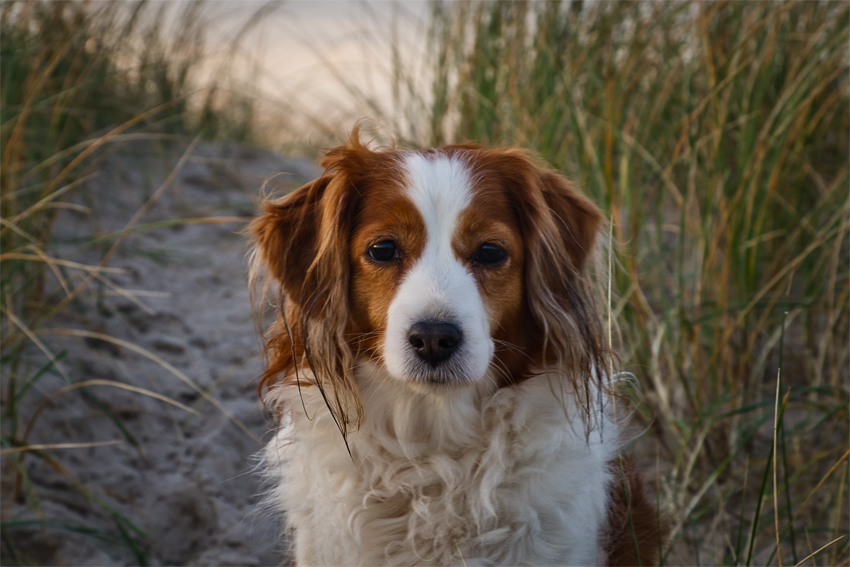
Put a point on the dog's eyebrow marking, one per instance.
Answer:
(440, 187)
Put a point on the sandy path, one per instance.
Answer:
(188, 483)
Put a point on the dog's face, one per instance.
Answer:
(436, 271)
(447, 267)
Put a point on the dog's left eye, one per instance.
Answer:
(490, 254)
(383, 251)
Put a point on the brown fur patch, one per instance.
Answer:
(304, 240)
(556, 228)
(632, 535)
(491, 218)
(385, 214)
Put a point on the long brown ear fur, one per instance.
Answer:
(286, 235)
(578, 219)
(560, 227)
(302, 241)
(561, 289)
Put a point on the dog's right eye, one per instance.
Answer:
(383, 251)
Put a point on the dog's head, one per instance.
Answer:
(448, 267)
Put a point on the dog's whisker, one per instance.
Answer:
(514, 348)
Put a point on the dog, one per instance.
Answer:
(439, 369)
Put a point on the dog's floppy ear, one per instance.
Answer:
(286, 236)
(552, 212)
(577, 219)
(560, 227)
(305, 232)
(302, 240)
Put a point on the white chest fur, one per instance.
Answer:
(464, 477)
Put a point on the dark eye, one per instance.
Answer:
(490, 254)
(383, 251)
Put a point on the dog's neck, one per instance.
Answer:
(416, 416)
(476, 458)
(414, 420)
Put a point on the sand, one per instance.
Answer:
(182, 487)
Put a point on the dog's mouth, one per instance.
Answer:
(438, 377)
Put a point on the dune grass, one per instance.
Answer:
(78, 79)
(715, 135)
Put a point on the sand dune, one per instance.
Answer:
(180, 325)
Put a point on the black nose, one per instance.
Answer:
(433, 341)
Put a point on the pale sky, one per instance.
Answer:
(289, 54)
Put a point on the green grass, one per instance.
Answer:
(78, 80)
(715, 135)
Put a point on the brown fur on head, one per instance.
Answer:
(559, 226)
(331, 301)
(302, 239)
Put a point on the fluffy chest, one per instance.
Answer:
(507, 480)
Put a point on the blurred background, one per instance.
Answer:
(137, 137)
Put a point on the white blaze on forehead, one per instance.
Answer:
(438, 286)
(440, 189)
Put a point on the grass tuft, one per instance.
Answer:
(78, 80)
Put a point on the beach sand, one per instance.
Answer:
(182, 488)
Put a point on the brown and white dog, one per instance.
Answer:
(438, 367)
